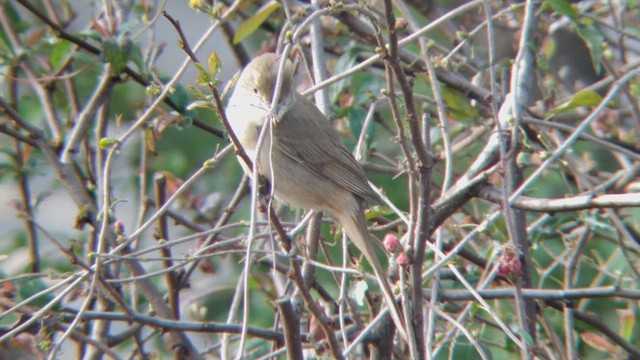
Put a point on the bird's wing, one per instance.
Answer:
(299, 140)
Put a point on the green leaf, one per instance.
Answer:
(187, 119)
(526, 337)
(583, 98)
(357, 117)
(634, 88)
(59, 53)
(203, 76)
(586, 98)
(196, 4)
(377, 211)
(345, 62)
(562, 7)
(136, 57)
(180, 97)
(15, 22)
(593, 39)
(458, 105)
(117, 54)
(5, 40)
(28, 288)
(214, 63)
(585, 29)
(356, 120)
(462, 349)
(15, 17)
(628, 322)
(365, 87)
(253, 23)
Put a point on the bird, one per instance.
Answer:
(303, 157)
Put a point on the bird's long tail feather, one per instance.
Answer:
(356, 228)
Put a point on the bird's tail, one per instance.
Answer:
(356, 228)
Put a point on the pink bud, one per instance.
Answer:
(509, 264)
(119, 227)
(402, 259)
(391, 243)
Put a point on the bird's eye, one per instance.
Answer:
(255, 90)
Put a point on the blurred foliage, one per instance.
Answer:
(50, 76)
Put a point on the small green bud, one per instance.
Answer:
(107, 143)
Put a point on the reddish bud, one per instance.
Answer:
(402, 259)
(391, 243)
(118, 227)
(401, 24)
(207, 266)
(509, 264)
